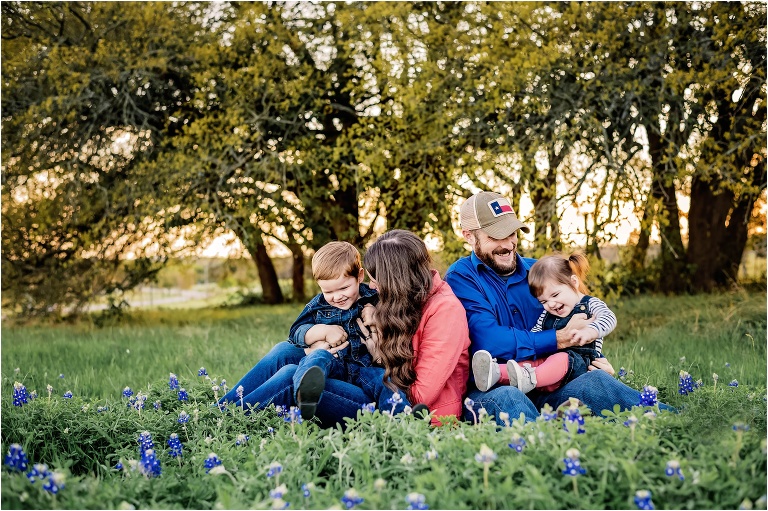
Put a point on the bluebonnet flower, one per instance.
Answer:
(175, 446)
(470, 405)
(61, 376)
(504, 417)
(223, 383)
(727, 364)
(278, 492)
(685, 386)
(157, 405)
(127, 392)
(211, 461)
(305, 489)
(573, 466)
(368, 408)
(673, 468)
(183, 417)
(39, 471)
(49, 388)
(416, 501)
(280, 410)
(173, 381)
(548, 413)
(138, 404)
(145, 441)
(149, 464)
(101, 409)
(68, 394)
(649, 396)
(274, 469)
(16, 459)
(202, 372)
(622, 373)
(119, 465)
(54, 483)
(631, 421)
(19, 394)
(183, 396)
(33, 395)
(740, 426)
(242, 439)
(573, 417)
(431, 454)
(486, 455)
(698, 383)
(517, 443)
(643, 499)
(239, 392)
(395, 400)
(734, 383)
(351, 498)
(270, 430)
(131, 402)
(293, 415)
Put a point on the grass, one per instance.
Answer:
(657, 337)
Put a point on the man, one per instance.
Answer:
(492, 284)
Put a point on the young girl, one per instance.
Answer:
(558, 283)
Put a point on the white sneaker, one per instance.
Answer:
(523, 377)
(485, 370)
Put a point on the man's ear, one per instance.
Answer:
(469, 236)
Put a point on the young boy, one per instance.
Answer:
(330, 320)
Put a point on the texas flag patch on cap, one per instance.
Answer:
(500, 206)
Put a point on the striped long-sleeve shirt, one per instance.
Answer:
(603, 320)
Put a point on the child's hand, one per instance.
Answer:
(322, 345)
(602, 364)
(335, 335)
(584, 335)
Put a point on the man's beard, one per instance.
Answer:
(487, 258)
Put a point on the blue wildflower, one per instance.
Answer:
(127, 392)
(486, 455)
(631, 421)
(734, 383)
(39, 471)
(685, 385)
(157, 405)
(223, 383)
(740, 426)
(351, 499)
(19, 394)
(673, 468)
(622, 373)
(183, 417)
(33, 395)
(278, 492)
(239, 392)
(211, 461)
(145, 441)
(727, 364)
(270, 430)
(517, 443)
(101, 409)
(573, 466)
(649, 396)
(54, 483)
(368, 408)
(573, 417)
(305, 490)
(548, 413)
(61, 376)
(131, 402)
(68, 394)
(416, 501)
(643, 499)
(395, 400)
(119, 465)
(175, 446)
(242, 439)
(16, 459)
(469, 403)
(202, 372)
(183, 395)
(293, 415)
(173, 381)
(274, 469)
(149, 464)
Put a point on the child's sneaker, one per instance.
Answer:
(523, 377)
(311, 388)
(485, 370)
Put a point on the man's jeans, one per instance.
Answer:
(596, 389)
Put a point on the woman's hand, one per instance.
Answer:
(367, 314)
(371, 340)
(602, 364)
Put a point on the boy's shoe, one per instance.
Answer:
(310, 389)
(420, 411)
(523, 377)
(485, 370)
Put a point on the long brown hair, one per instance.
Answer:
(558, 268)
(399, 262)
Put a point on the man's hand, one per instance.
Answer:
(565, 336)
(602, 364)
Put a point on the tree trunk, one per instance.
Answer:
(299, 292)
(544, 198)
(673, 278)
(270, 287)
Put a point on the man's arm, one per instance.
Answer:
(488, 334)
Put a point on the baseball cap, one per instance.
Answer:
(492, 213)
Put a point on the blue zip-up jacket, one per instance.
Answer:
(500, 313)
(319, 312)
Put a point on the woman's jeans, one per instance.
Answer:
(596, 389)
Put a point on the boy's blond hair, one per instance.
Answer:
(334, 260)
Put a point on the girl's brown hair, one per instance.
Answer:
(558, 268)
(399, 263)
(334, 260)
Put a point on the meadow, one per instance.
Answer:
(714, 448)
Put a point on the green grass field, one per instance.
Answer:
(657, 337)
